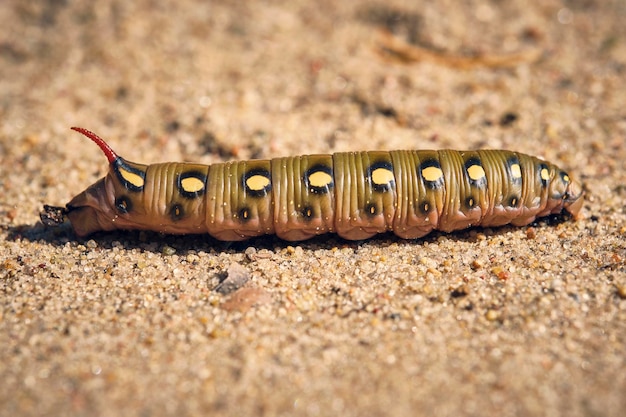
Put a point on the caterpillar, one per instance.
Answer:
(353, 194)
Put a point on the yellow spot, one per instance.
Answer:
(566, 178)
(476, 172)
(372, 209)
(191, 184)
(545, 174)
(177, 211)
(131, 177)
(382, 176)
(470, 202)
(320, 179)
(516, 171)
(257, 182)
(432, 174)
(514, 202)
(245, 214)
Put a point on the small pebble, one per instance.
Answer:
(251, 253)
(492, 315)
(460, 291)
(477, 264)
(168, 250)
(236, 278)
(500, 273)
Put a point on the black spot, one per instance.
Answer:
(508, 119)
(307, 213)
(254, 172)
(316, 189)
(381, 188)
(172, 126)
(470, 203)
(513, 201)
(387, 111)
(481, 182)
(424, 207)
(121, 93)
(121, 164)
(513, 160)
(244, 214)
(459, 292)
(371, 210)
(123, 204)
(433, 185)
(177, 212)
(191, 174)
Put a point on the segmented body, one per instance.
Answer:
(353, 194)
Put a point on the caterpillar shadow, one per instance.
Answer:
(184, 244)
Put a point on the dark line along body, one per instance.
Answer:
(353, 194)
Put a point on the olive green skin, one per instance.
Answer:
(353, 194)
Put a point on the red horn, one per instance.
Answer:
(108, 152)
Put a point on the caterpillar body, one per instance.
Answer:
(353, 194)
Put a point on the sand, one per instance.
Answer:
(483, 322)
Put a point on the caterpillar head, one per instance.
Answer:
(566, 192)
(573, 199)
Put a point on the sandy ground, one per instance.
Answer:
(485, 322)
